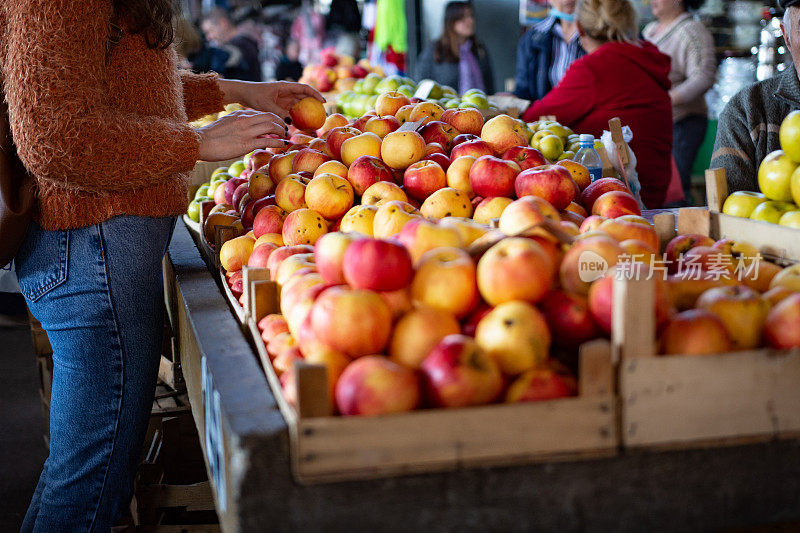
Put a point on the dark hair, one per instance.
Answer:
(345, 15)
(153, 18)
(446, 48)
(692, 5)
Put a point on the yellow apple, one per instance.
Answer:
(391, 217)
(418, 332)
(774, 176)
(516, 335)
(446, 279)
(742, 203)
(789, 135)
(771, 211)
(447, 202)
(359, 218)
(789, 277)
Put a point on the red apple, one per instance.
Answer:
(423, 178)
(374, 385)
(782, 328)
(329, 255)
(457, 373)
(337, 136)
(549, 383)
(354, 321)
(440, 132)
(376, 264)
(441, 159)
(469, 121)
(569, 318)
(491, 176)
(695, 332)
(260, 256)
(307, 160)
(597, 188)
(476, 148)
(268, 220)
(367, 170)
(551, 182)
(615, 204)
(525, 156)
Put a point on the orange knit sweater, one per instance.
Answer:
(104, 136)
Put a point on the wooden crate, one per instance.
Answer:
(681, 401)
(328, 448)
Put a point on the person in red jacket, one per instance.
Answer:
(621, 76)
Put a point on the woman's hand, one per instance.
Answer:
(240, 132)
(275, 96)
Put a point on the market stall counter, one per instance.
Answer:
(247, 449)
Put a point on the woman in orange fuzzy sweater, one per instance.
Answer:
(99, 113)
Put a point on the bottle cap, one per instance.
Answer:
(586, 138)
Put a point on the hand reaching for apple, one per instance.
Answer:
(240, 132)
(276, 96)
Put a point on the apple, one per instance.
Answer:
(457, 373)
(338, 136)
(522, 214)
(502, 132)
(420, 236)
(290, 193)
(742, 203)
(257, 160)
(469, 230)
(389, 103)
(332, 167)
(391, 217)
(554, 183)
(440, 159)
(329, 255)
(491, 176)
(586, 261)
(549, 383)
(377, 265)
(329, 195)
(679, 245)
(490, 208)
(359, 218)
(279, 344)
(260, 185)
(308, 160)
(307, 114)
(790, 219)
(446, 279)
(361, 122)
(741, 309)
(476, 148)
(597, 188)
(622, 230)
(601, 300)
(283, 253)
(525, 157)
(418, 332)
(515, 269)
(468, 121)
(458, 174)
(364, 144)
(789, 277)
(401, 149)
(260, 255)
(515, 334)
(280, 166)
(423, 178)
(569, 318)
(447, 202)
(580, 174)
(235, 252)
(270, 238)
(695, 332)
(616, 203)
(757, 276)
(356, 322)
(774, 176)
(382, 126)
(771, 211)
(381, 192)
(426, 110)
(268, 220)
(404, 113)
(292, 265)
(303, 226)
(782, 326)
(333, 120)
(272, 325)
(439, 132)
(374, 385)
(551, 145)
(229, 188)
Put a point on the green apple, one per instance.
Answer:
(771, 211)
(436, 91)
(407, 90)
(358, 86)
(791, 219)
(474, 90)
(538, 136)
(449, 91)
(371, 81)
(774, 176)
(789, 135)
(569, 154)
(236, 168)
(219, 170)
(742, 203)
(194, 208)
(468, 105)
(202, 190)
(559, 130)
(551, 146)
(392, 83)
(453, 104)
(476, 98)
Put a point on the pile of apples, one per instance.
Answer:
(778, 180)
(337, 72)
(393, 275)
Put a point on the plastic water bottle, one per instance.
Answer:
(588, 156)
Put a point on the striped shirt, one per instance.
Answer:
(564, 53)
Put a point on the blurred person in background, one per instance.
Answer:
(691, 48)
(546, 51)
(289, 68)
(621, 76)
(197, 54)
(220, 30)
(342, 27)
(750, 122)
(457, 59)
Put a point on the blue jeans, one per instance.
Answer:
(687, 137)
(98, 293)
